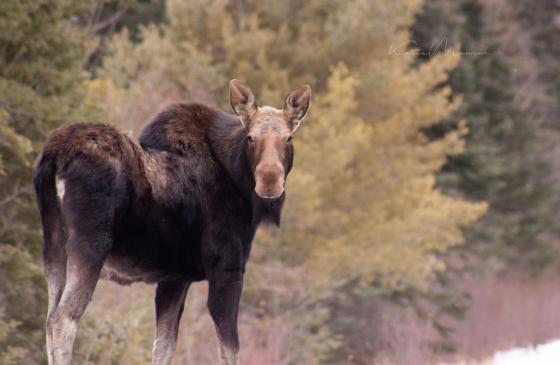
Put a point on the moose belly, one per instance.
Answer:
(155, 250)
(126, 273)
(128, 269)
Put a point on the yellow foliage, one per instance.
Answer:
(376, 212)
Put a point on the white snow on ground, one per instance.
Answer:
(547, 354)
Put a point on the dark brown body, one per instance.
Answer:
(163, 196)
(182, 205)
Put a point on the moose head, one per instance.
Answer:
(269, 135)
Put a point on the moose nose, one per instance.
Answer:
(269, 181)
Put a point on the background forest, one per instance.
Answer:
(421, 219)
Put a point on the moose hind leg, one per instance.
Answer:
(170, 301)
(86, 254)
(55, 272)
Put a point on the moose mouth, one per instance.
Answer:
(268, 195)
(270, 198)
(270, 190)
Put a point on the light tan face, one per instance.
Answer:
(270, 151)
(269, 135)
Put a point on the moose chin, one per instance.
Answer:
(179, 205)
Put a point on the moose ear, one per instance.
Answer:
(296, 106)
(242, 99)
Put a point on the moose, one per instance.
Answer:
(181, 205)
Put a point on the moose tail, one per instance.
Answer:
(44, 180)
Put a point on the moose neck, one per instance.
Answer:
(227, 138)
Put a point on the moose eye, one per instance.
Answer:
(250, 139)
(289, 140)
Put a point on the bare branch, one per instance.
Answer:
(109, 21)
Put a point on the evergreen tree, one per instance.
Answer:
(506, 159)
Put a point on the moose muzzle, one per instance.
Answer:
(269, 179)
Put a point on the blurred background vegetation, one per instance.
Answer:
(420, 220)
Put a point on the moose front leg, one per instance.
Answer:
(223, 302)
(170, 302)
